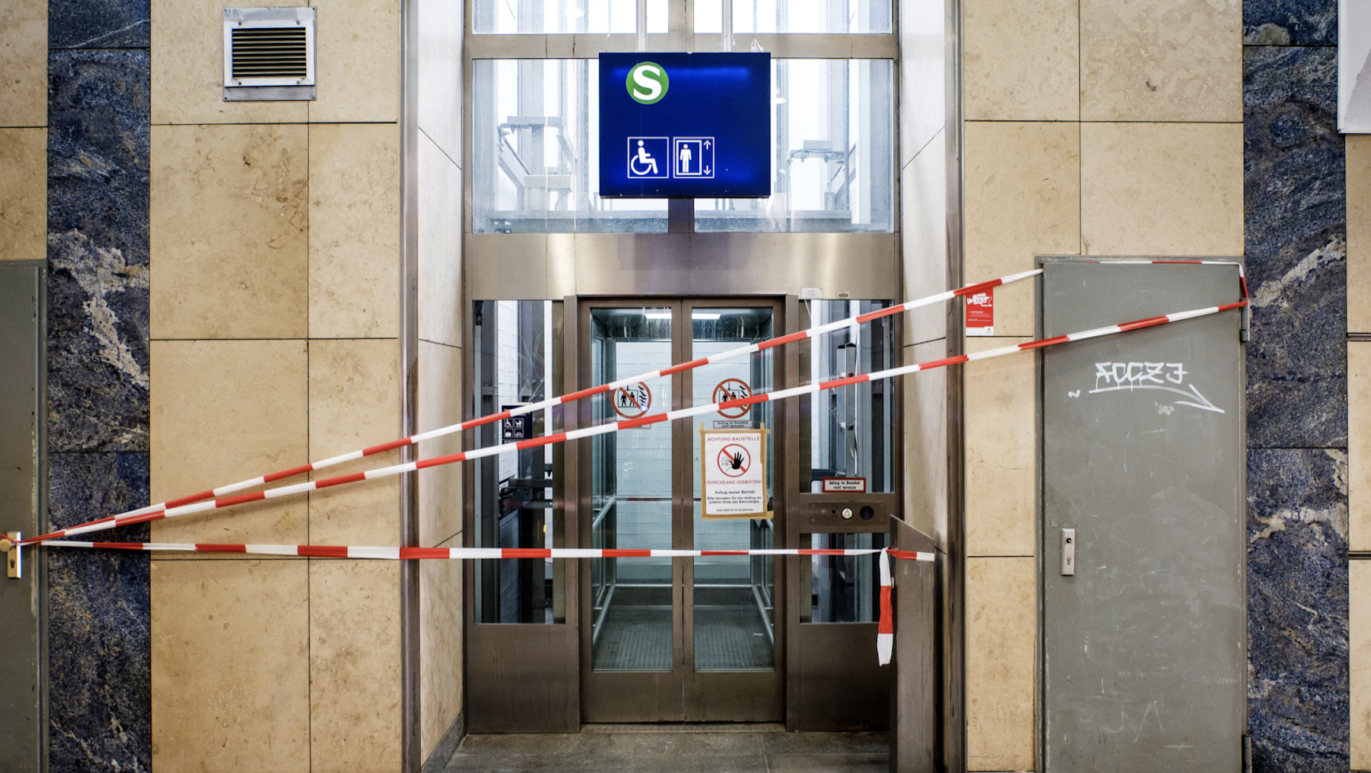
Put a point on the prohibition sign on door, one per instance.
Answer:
(733, 473)
(632, 401)
(732, 389)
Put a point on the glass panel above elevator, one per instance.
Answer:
(536, 154)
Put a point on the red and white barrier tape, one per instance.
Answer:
(406, 554)
(223, 491)
(885, 631)
(398, 469)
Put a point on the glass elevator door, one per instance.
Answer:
(675, 639)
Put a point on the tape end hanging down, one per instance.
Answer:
(885, 631)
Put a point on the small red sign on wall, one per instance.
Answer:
(980, 313)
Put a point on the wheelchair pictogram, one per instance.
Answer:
(649, 158)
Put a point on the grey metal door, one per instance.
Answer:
(1144, 659)
(22, 601)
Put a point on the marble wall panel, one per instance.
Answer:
(1001, 428)
(1001, 620)
(357, 62)
(1161, 189)
(1297, 610)
(1290, 22)
(923, 223)
(440, 245)
(24, 61)
(226, 411)
(1296, 248)
(1022, 198)
(440, 649)
(98, 251)
(440, 405)
(188, 73)
(1359, 444)
(441, 86)
(923, 75)
(1161, 60)
(1021, 61)
(230, 231)
(230, 666)
(99, 620)
(99, 23)
(354, 242)
(354, 665)
(23, 194)
(354, 402)
(96, 87)
(1358, 155)
(925, 438)
(1359, 661)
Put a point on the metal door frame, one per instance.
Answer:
(705, 696)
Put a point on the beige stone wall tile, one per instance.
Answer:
(1358, 151)
(1000, 663)
(354, 402)
(222, 412)
(1023, 199)
(440, 246)
(925, 442)
(441, 41)
(354, 243)
(354, 666)
(24, 62)
(230, 666)
(23, 190)
(1359, 660)
(440, 405)
(1020, 61)
(229, 231)
(1001, 452)
(440, 649)
(1359, 445)
(1162, 189)
(357, 63)
(1161, 60)
(923, 226)
(923, 77)
(188, 68)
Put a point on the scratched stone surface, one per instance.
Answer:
(99, 23)
(1296, 246)
(1298, 690)
(100, 716)
(99, 621)
(1290, 22)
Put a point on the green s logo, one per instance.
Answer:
(647, 82)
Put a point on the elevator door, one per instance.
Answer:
(675, 639)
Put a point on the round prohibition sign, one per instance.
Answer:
(732, 389)
(734, 460)
(632, 401)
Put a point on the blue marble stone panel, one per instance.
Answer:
(1296, 249)
(99, 621)
(99, 23)
(1290, 22)
(1298, 688)
(98, 146)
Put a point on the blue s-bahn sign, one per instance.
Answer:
(685, 125)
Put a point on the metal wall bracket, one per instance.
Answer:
(14, 557)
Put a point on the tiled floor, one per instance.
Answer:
(671, 748)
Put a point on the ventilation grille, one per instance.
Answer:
(267, 52)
